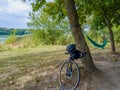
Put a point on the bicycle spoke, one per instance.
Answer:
(71, 79)
(69, 71)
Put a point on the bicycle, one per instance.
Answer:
(69, 74)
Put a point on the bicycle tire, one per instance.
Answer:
(63, 72)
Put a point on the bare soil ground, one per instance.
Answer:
(108, 78)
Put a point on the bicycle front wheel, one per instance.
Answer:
(71, 81)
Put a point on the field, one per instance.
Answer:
(37, 69)
(20, 66)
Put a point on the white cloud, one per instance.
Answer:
(17, 6)
(50, 0)
(14, 13)
(14, 6)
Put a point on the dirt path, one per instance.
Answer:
(108, 78)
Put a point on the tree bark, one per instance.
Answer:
(78, 35)
(112, 43)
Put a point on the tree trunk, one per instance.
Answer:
(78, 36)
(110, 33)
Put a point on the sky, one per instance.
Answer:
(14, 13)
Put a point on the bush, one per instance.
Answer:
(64, 40)
(11, 39)
(49, 37)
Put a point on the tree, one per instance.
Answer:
(105, 14)
(73, 21)
(78, 36)
(45, 30)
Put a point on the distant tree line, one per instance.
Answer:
(9, 31)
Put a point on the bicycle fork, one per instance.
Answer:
(69, 69)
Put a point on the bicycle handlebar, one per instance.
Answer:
(82, 54)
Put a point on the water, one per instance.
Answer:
(3, 38)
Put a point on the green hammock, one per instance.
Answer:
(96, 44)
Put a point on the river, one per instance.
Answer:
(3, 38)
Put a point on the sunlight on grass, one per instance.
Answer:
(17, 64)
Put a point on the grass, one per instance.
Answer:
(19, 64)
(28, 68)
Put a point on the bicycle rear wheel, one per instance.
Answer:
(69, 82)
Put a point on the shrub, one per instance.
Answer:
(11, 39)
